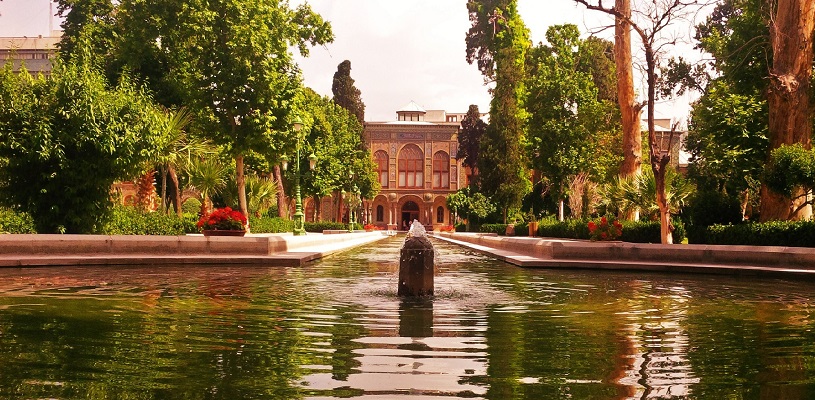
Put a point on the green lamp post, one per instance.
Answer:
(299, 217)
(352, 205)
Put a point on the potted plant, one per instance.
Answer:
(223, 222)
(369, 227)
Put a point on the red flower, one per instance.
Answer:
(592, 227)
(222, 219)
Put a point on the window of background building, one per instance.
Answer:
(382, 167)
(411, 174)
(440, 215)
(441, 170)
(380, 213)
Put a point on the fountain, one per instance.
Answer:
(416, 263)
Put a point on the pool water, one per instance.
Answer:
(336, 329)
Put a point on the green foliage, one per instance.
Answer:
(270, 225)
(708, 208)
(571, 130)
(469, 137)
(261, 194)
(15, 222)
(335, 137)
(346, 95)
(328, 226)
(499, 229)
(790, 167)
(126, 220)
(727, 138)
(649, 231)
(774, 233)
(639, 192)
(568, 229)
(468, 204)
(498, 42)
(66, 139)
(191, 206)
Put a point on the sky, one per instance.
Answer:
(400, 51)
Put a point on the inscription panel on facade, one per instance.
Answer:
(454, 173)
(380, 136)
(441, 136)
(410, 136)
(427, 150)
(453, 150)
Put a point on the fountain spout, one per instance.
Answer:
(416, 263)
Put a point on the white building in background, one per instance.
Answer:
(35, 53)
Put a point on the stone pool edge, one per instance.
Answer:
(42, 250)
(554, 253)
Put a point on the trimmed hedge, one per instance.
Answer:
(773, 233)
(328, 226)
(14, 222)
(270, 225)
(125, 220)
(633, 231)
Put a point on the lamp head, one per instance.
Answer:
(312, 161)
(284, 162)
(297, 123)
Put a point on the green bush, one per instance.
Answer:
(569, 229)
(499, 229)
(648, 231)
(191, 206)
(710, 208)
(774, 233)
(328, 226)
(461, 228)
(270, 225)
(15, 222)
(125, 220)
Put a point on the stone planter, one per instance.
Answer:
(217, 232)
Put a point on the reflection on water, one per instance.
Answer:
(336, 329)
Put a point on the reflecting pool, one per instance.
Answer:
(336, 329)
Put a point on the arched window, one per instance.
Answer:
(441, 170)
(381, 159)
(380, 213)
(411, 168)
(440, 215)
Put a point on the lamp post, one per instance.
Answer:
(352, 204)
(299, 217)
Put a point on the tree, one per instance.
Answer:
(652, 19)
(334, 135)
(629, 107)
(497, 42)
(346, 95)
(469, 138)
(788, 98)
(230, 60)
(571, 131)
(791, 172)
(67, 138)
(92, 18)
(470, 204)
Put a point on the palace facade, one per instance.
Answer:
(417, 167)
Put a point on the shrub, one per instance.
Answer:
(773, 233)
(191, 206)
(499, 229)
(16, 222)
(126, 220)
(605, 229)
(270, 225)
(649, 231)
(710, 208)
(569, 229)
(328, 225)
(461, 228)
(222, 219)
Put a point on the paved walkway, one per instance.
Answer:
(103, 250)
(698, 259)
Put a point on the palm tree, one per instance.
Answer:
(261, 194)
(208, 176)
(638, 192)
(178, 153)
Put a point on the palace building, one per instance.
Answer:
(417, 166)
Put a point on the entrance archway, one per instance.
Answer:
(410, 211)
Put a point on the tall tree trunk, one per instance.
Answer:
(177, 197)
(791, 35)
(282, 210)
(629, 108)
(163, 170)
(241, 181)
